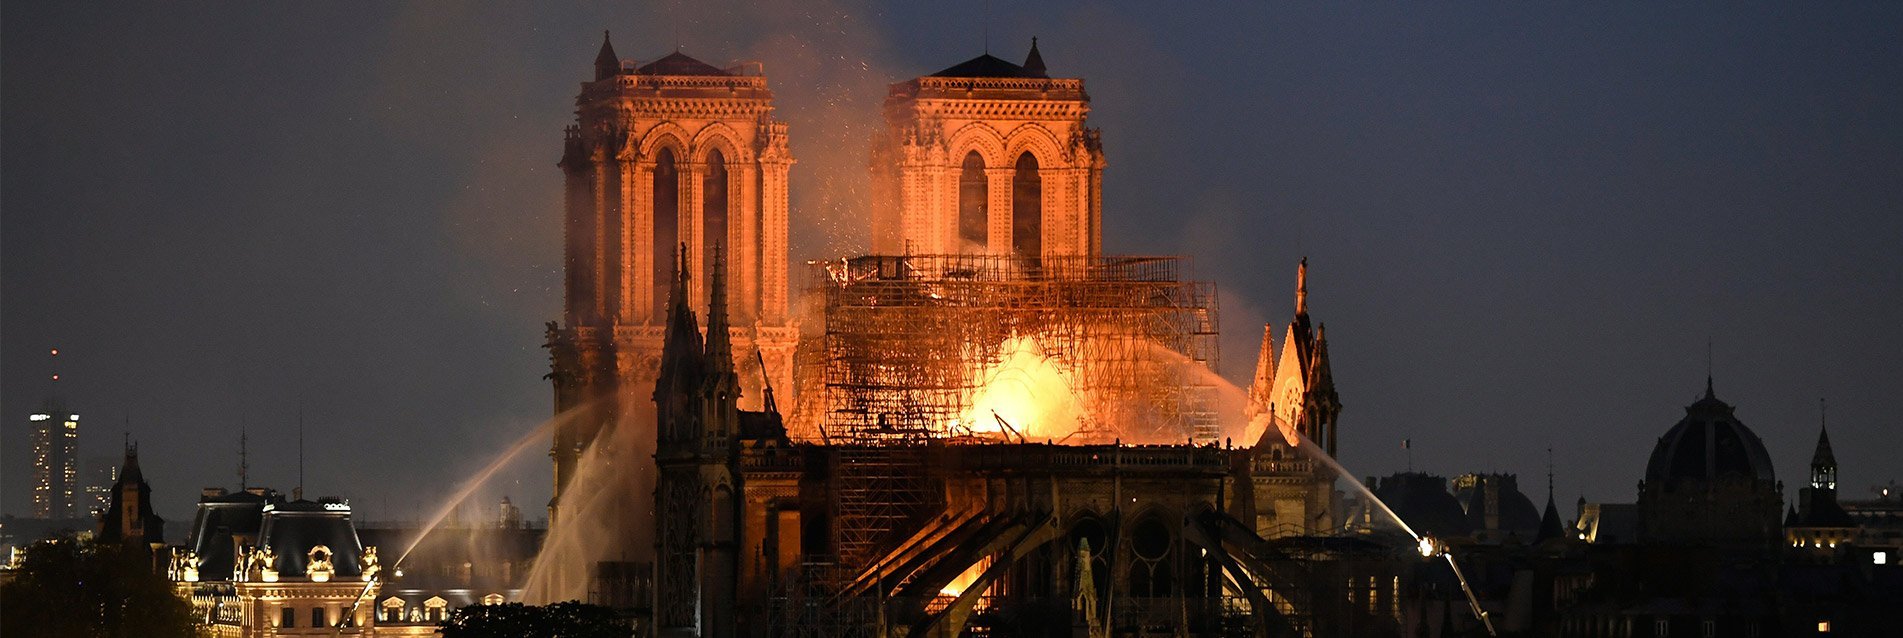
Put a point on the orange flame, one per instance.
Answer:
(1028, 391)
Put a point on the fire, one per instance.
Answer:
(963, 581)
(1028, 391)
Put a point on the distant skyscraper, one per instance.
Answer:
(55, 461)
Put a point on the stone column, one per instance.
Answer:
(998, 209)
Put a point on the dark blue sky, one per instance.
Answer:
(1524, 222)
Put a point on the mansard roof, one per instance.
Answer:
(678, 63)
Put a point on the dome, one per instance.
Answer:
(1497, 497)
(1709, 443)
(1423, 501)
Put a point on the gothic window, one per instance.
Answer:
(713, 211)
(666, 227)
(1027, 209)
(1152, 575)
(972, 194)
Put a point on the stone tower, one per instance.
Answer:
(1293, 393)
(672, 159)
(988, 157)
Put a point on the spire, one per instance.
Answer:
(1301, 287)
(681, 346)
(606, 64)
(1823, 462)
(1262, 387)
(1035, 61)
(719, 342)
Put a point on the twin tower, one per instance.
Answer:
(679, 164)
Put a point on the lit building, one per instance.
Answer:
(670, 159)
(257, 565)
(1817, 527)
(55, 461)
(998, 428)
(988, 157)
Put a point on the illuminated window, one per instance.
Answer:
(1879, 558)
(1823, 626)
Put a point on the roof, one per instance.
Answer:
(989, 66)
(678, 63)
(220, 518)
(1423, 501)
(1709, 443)
(292, 529)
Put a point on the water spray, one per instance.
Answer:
(539, 433)
(1428, 546)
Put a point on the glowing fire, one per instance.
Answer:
(1025, 389)
(963, 581)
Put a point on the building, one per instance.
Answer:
(998, 428)
(258, 565)
(55, 461)
(1709, 482)
(671, 165)
(129, 519)
(1817, 527)
(988, 157)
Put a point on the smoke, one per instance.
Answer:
(606, 512)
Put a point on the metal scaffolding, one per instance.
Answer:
(907, 340)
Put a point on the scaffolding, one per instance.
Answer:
(908, 339)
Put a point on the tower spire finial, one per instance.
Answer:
(1301, 287)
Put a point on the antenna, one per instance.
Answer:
(300, 449)
(244, 466)
(987, 28)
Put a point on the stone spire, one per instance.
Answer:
(606, 64)
(1262, 387)
(681, 346)
(719, 341)
(1301, 287)
(1034, 62)
(1823, 462)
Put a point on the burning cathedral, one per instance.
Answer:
(988, 426)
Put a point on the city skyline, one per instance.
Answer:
(370, 243)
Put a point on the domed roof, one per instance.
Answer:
(1512, 511)
(1709, 443)
(1423, 501)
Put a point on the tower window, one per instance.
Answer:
(1027, 209)
(666, 227)
(713, 213)
(972, 195)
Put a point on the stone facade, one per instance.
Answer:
(988, 157)
(674, 159)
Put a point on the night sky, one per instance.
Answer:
(1524, 224)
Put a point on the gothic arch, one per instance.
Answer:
(1040, 142)
(982, 138)
(666, 135)
(718, 135)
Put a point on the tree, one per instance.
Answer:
(65, 587)
(572, 619)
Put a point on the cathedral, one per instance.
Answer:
(992, 426)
